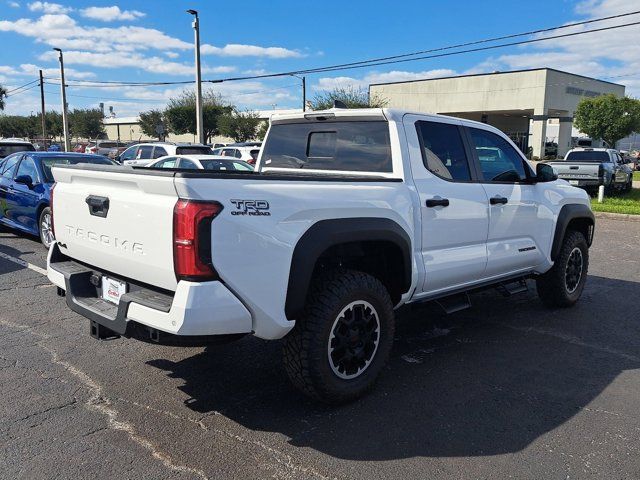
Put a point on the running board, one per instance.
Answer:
(508, 289)
(454, 303)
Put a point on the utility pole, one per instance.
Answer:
(199, 119)
(44, 122)
(65, 123)
(304, 90)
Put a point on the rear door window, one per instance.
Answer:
(341, 146)
(10, 166)
(145, 152)
(184, 163)
(28, 167)
(159, 152)
(443, 152)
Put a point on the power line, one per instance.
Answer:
(426, 57)
(401, 58)
(20, 87)
(24, 90)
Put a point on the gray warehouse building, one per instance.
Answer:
(519, 103)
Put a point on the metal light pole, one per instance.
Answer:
(199, 120)
(65, 123)
(304, 91)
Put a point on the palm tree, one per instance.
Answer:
(3, 94)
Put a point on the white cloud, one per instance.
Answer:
(46, 7)
(172, 54)
(31, 70)
(110, 14)
(330, 83)
(13, 4)
(238, 50)
(152, 64)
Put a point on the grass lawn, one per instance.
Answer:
(636, 176)
(619, 203)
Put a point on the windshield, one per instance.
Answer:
(7, 149)
(225, 165)
(587, 156)
(341, 146)
(48, 162)
(193, 150)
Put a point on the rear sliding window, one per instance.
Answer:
(587, 156)
(194, 151)
(342, 146)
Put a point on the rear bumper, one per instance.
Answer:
(194, 309)
(582, 182)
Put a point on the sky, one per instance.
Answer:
(142, 41)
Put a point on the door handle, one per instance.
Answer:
(498, 200)
(437, 202)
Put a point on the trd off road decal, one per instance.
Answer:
(251, 207)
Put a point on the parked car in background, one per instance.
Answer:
(107, 148)
(247, 153)
(589, 168)
(200, 162)
(13, 145)
(25, 189)
(550, 149)
(217, 145)
(54, 147)
(142, 154)
(79, 147)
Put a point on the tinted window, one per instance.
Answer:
(193, 150)
(228, 152)
(187, 164)
(108, 144)
(10, 166)
(254, 153)
(499, 161)
(217, 151)
(144, 152)
(159, 152)
(28, 167)
(129, 153)
(587, 156)
(359, 146)
(225, 165)
(443, 151)
(9, 148)
(48, 162)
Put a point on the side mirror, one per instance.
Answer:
(545, 173)
(24, 180)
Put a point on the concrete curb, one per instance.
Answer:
(618, 216)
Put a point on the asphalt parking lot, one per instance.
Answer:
(506, 389)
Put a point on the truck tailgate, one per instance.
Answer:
(116, 221)
(576, 170)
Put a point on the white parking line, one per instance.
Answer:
(20, 262)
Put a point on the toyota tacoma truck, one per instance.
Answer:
(591, 167)
(349, 215)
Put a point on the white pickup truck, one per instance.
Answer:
(349, 215)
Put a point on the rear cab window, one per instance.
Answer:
(194, 150)
(7, 148)
(346, 146)
(588, 156)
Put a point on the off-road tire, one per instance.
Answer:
(306, 348)
(552, 286)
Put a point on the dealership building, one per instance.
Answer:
(520, 103)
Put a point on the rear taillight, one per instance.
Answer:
(600, 171)
(192, 239)
(53, 231)
(251, 161)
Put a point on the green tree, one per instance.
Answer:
(149, 122)
(17, 126)
(262, 131)
(241, 126)
(180, 113)
(350, 96)
(3, 95)
(86, 123)
(53, 121)
(608, 117)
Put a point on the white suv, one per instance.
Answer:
(144, 153)
(248, 153)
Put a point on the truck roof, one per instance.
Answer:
(369, 114)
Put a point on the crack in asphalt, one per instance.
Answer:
(101, 404)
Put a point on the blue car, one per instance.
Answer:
(25, 189)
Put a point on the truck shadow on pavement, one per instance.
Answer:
(486, 381)
(7, 267)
